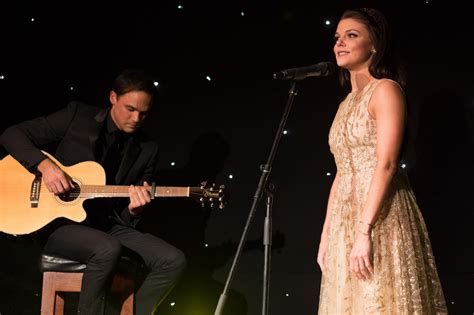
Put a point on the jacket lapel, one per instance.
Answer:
(94, 135)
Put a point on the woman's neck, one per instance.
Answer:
(360, 79)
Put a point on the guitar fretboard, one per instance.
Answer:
(91, 191)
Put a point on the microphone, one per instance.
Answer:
(321, 69)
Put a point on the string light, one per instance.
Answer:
(327, 22)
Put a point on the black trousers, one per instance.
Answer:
(101, 251)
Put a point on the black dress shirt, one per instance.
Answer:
(111, 147)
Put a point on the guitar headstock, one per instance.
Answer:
(209, 194)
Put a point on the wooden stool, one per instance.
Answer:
(63, 275)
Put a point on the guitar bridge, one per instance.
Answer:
(35, 191)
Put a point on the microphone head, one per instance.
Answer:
(330, 68)
(320, 69)
(324, 68)
(280, 75)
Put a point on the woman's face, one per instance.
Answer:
(353, 46)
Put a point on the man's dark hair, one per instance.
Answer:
(133, 80)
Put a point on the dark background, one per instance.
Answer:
(212, 129)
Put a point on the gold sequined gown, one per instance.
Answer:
(405, 279)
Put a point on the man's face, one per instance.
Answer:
(129, 110)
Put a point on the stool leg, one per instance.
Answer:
(54, 283)
(127, 306)
(59, 305)
(48, 294)
(124, 287)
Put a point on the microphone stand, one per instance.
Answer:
(262, 186)
(267, 243)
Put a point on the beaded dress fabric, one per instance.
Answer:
(405, 279)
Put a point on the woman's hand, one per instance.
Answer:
(361, 257)
(323, 247)
(139, 197)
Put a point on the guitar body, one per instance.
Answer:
(18, 215)
(26, 205)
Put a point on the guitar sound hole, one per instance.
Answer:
(72, 194)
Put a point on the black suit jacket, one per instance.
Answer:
(75, 129)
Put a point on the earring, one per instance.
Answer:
(373, 51)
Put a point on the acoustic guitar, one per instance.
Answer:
(25, 206)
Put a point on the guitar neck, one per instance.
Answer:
(95, 191)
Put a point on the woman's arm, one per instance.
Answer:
(329, 205)
(388, 107)
(324, 234)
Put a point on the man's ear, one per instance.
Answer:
(113, 97)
